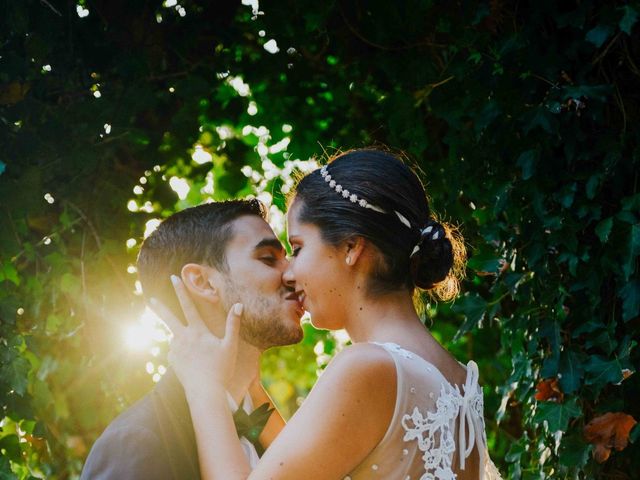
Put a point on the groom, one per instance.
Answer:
(225, 253)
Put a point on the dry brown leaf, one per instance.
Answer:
(607, 432)
(549, 390)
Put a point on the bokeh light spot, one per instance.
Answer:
(180, 186)
(200, 155)
(271, 46)
(151, 226)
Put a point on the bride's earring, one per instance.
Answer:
(348, 260)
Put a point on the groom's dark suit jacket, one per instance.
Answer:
(153, 439)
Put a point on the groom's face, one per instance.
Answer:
(256, 261)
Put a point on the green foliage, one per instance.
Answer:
(523, 117)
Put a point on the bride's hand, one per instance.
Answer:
(200, 359)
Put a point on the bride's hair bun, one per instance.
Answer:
(439, 256)
(433, 257)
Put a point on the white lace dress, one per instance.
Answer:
(437, 431)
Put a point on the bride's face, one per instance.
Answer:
(318, 273)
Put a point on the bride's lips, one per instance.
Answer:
(294, 297)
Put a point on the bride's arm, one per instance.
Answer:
(219, 451)
(344, 417)
(342, 420)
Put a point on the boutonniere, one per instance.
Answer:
(250, 425)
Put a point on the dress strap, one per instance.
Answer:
(468, 434)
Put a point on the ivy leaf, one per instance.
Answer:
(603, 371)
(486, 264)
(574, 452)
(599, 35)
(10, 446)
(604, 340)
(16, 375)
(590, 326)
(592, 185)
(633, 250)
(69, 283)
(603, 229)
(5, 469)
(10, 273)
(551, 331)
(596, 92)
(630, 295)
(540, 117)
(631, 203)
(526, 161)
(473, 307)
(635, 434)
(629, 19)
(571, 371)
(557, 415)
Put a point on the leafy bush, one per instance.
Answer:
(523, 118)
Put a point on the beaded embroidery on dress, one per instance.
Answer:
(434, 423)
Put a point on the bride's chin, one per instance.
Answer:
(318, 322)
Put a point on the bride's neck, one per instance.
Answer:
(377, 319)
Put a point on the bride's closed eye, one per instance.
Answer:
(295, 251)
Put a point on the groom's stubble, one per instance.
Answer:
(263, 323)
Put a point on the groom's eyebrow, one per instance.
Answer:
(269, 242)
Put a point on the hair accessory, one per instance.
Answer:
(403, 219)
(346, 194)
(425, 234)
(353, 198)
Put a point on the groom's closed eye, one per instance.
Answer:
(268, 259)
(269, 251)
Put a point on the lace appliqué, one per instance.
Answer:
(435, 435)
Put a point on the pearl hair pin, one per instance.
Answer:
(346, 194)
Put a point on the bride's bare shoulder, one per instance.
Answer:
(364, 365)
(363, 356)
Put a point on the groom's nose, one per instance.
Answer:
(288, 278)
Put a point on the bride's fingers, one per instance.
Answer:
(166, 315)
(188, 307)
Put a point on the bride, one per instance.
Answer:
(395, 404)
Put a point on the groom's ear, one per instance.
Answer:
(197, 279)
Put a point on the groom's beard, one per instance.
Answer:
(263, 322)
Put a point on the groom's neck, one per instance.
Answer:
(247, 370)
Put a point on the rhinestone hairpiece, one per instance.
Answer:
(346, 194)
(423, 232)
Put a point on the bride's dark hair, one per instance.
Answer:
(387, 184)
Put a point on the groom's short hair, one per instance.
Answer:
(194, 235)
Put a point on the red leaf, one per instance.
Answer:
(549, 390)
